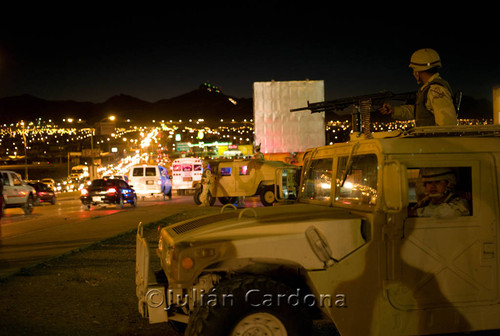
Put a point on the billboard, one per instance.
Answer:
(277, 129)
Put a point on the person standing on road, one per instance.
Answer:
(434, 103)
(205, 185)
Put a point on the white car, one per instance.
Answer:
(49, 182)
(16, 193)
(150, 180)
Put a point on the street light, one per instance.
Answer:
(25, 152)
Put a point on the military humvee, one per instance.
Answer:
(252, 177)
(347, 251)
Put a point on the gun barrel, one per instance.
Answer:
(342, 103)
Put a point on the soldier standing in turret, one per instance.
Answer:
(434, 103)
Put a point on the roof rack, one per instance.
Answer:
(464, 130)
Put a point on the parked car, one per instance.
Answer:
(17, 193)
(112, 191)
(150, 180)
(44, 193)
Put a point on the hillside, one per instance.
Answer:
(202, 103)
(199, 103)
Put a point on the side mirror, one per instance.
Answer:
(395, 186)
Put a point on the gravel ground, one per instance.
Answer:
(87, 292)
(90, 291)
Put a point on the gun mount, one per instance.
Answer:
(362, 106)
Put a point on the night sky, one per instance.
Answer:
(155, 58)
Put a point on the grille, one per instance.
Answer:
(197, 223)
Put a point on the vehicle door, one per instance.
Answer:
(225, 180)
(287, 183)
(152, 178)
(8, 190)
(126, 191)
(137, 178)
(244, 178)
(14, 191)
(439, 261)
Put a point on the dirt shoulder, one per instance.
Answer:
(86, 292)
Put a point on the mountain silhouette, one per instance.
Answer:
(206, 102)
(202, 103)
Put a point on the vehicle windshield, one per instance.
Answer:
(357, 180)
(317, 180)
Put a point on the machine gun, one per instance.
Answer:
(363, 106)
(376, 99)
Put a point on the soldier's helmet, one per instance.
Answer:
(425, 59)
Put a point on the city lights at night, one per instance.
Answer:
(250, 169)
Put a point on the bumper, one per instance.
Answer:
(98, 199)
(147, 192)
(152, 301)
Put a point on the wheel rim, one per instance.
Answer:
(269, 196)
(259, 324)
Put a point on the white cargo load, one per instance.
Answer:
(277, 129)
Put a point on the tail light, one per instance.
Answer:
(84, 192)
(159, 182)
(111, 191)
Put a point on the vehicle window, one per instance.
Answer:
(16, 180)
(225, 171)
(123, 185)
(177, 168)
(151, 171)
(198, 167)
(440, 192)
(98, 183)
(318, 180)
(187, 167)
(5, 178)
(137, 172)
(243, 170)
(357, 180)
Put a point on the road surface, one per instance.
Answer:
(52, 230)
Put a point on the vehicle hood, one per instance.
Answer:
(268, 231)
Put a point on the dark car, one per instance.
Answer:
(108, 191)
(44, 193)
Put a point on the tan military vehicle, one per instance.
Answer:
(359, 248)
(244, 178)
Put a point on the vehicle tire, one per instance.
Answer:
(134, 202)
(53, 201)
(245, 314)
(119, 205)
(267, 196)
(86, 207)
(37, 201)
(196, 196)
(28, 206)
(211, 199)
(228, 200)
